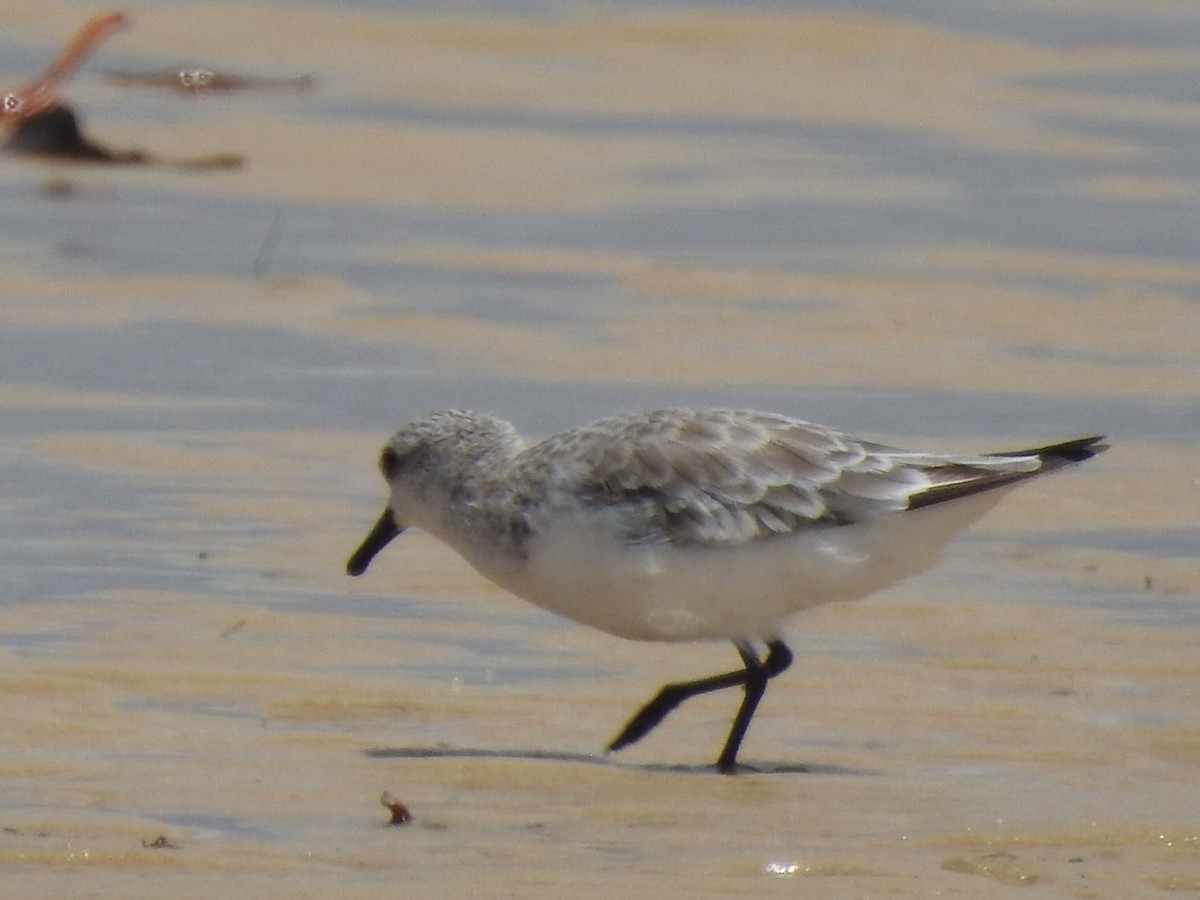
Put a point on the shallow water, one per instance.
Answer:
(938, 225)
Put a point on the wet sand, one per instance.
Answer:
(944, 235)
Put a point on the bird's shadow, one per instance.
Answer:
(592, 759)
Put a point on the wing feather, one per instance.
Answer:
(727, 477)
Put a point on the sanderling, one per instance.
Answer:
(686, 524)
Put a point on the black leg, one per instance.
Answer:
(648, 717)
(754, 676)
(758, 673)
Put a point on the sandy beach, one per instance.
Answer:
(943, 230)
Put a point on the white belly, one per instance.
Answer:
(667, 593)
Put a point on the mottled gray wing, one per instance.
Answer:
(727, 477)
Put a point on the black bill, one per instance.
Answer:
(381, 535)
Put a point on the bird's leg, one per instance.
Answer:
(758, 673)
(754, 676)
(648, 717)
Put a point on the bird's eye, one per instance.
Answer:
(389, 463)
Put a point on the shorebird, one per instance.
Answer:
(689, 524)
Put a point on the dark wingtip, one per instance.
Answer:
(1077, 450)
(378, 538)
(1052, 457)
(1061, 454)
